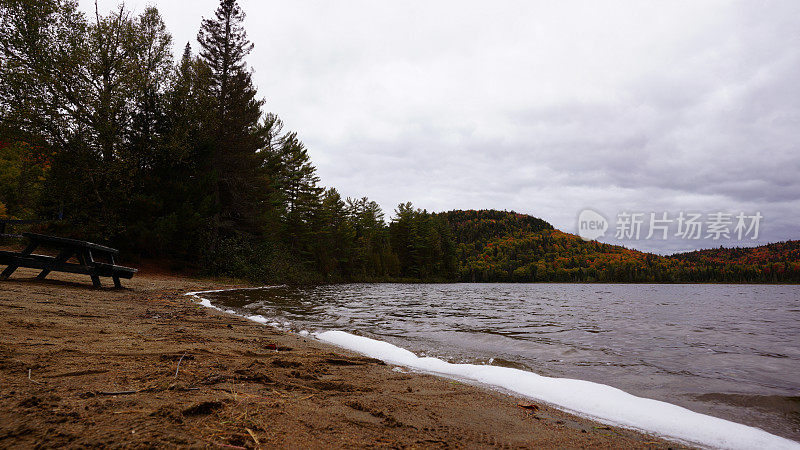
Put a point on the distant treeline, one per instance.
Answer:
(103, 130)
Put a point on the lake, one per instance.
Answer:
(730, 351)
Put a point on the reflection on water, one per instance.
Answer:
(728, 350)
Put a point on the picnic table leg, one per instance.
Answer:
(117, 283)
(7, 272)
(89, 259)
(12, 267)
(63, 256)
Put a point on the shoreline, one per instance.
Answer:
(594, 401)
(147, 365)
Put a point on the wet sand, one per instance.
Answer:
(146, 366)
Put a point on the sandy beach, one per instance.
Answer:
(147, 366)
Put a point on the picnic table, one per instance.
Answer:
(84, 252)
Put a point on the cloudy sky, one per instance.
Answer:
(546, 108)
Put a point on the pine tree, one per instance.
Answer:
(237, 158)
(225, 46)
(296, 186)
(372, 255)
(403, 234)
(335, 239)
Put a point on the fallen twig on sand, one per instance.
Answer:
(137, 391)
(179, 365)
(252, 435)
(308, 388)
(118, 392)
(31, 379)
(78, 373)
(229, 391)
(529, 406)
(231, 446)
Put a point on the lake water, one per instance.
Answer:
(731, 351)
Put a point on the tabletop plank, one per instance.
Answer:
(55, 240)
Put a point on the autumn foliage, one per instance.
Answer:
(506, 246)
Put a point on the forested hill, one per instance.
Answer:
(480, 226)
(506, 246)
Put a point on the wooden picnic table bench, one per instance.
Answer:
(84, 252)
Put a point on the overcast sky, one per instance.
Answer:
(545, 108)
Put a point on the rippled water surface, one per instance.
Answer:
(732, 351)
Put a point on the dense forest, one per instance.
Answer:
(107, 136)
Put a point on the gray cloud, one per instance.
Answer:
(541, 107)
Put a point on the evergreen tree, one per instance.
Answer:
(404, 234)
(239, 137)
(372, 254)
(296, 190)
(335, 239)
(225, 46)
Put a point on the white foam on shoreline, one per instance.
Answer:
(593, 400)
(596, 401)
(258, 318)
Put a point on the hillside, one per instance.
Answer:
(776, 253)
(511, 247)
(776, 262)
